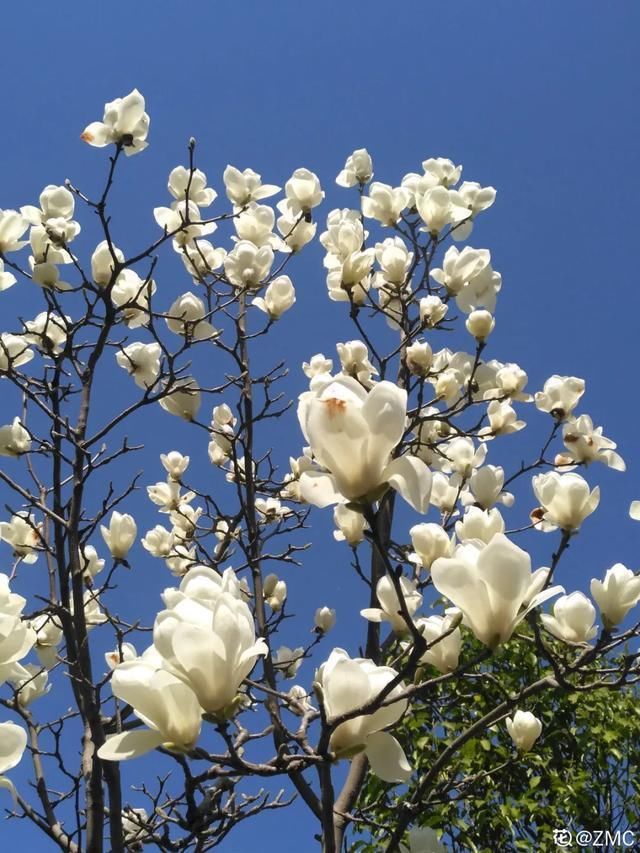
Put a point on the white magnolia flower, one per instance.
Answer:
(279, 296)
(48, 635)
(13, 742)
(303, 191)
(288, 661)
(56, 202)
(142, 362)
(209, 641)
(248, 265)
(14, 439)
(14, 351)
(445, 641)
(182, 398)
(30, 683)
(296, 232)
(477, 199)
(439, 207)
(159, 542)
(23, 534)
(47, 275)
(460, 267)
(485, 487)
(324, 619)
(125, 123)
(573, 619)
(385, 203)
(274, 591)
(12, 228)
(617, 594)
(560, 395)
(89, 561)
(430, 541)
(390, 607)
(48, 331)
(565, 501)
(182, 181)
(186, 317)
(270, 510)
(351, 525)
(586, 443)
(353, 434)
(17, 638)
(491, 586)
(419, 357)
(201, 258)
(120, 535)
(103, 262)
(163, 702)
(184, 222)
(7, 279)
(135, 827)
(354, 360)
(479, 524)
(345, 684)
(174, 463)
(358, 169)
(432, 310)
(132, 295)
(524, 730)
(245, 187)
(480, 324)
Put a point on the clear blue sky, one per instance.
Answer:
(538, 99)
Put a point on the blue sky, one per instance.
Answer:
(538, 99)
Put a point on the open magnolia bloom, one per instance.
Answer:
(492, 586)
(353, 434)
(124, 122)
(573, 619)
(524, 730)
(617, 594)
(345, 684)
(13, 742)
(389, 610)
(565, 501)
(163, 702)
(207, 636)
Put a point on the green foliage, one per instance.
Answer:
(582, 773)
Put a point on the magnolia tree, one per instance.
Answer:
(396, 441)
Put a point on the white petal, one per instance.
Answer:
(129, 745)
(411, 478)
(387, 758)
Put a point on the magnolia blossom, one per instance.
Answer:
(565, 501)
(174, 463)
(48, 635)
(142, 362)
(274, 591)
(343, 685)
(459, 267)
(444, 640)
(303, 191)
(324, 619)
(247, 265)
(279, 296)
(245, 187)
(573, 619)
(132, 295)
(14, 351)
(390, 607)
(354, 360)
(524, 730)
(477, 199)
(208, 637)
(617, 594)
(183, 221)
(187, 317)
(201, 258)
(296, 232)
(439, 207)
(479, 524)
(126, 651)
(17, 638)
(480, 324)
(288, 661)
(182, 398)
(503, 420)
(162, 701)
(352, 434)
(14, 439)
(13, 742)
(430, 541)
(192, 183)
(12, 228)
(120, 535)
(7, 279)
(485, 487)
(90, 562)
(586, 444)
(560, 395)
(385, 203)
(159, 541)
(419, 357)
(351, 525)
(48, 331)
(493, 587)
(432, 310)
(395, 261)
(23, 534)
(103, 262)
(30, 682)
(125, 123)
(358, 169)
(135, 827)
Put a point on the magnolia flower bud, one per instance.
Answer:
(617, 594)
(524, 729)
(324, 619)
(419, 358)
(174, 463)
(573, 619)
(120, 535)
(351, 525)
(127, 651)
(303, 191)
(275, 592)
(182, 399)
(14, 439)
(358, 169)
(480, 324)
